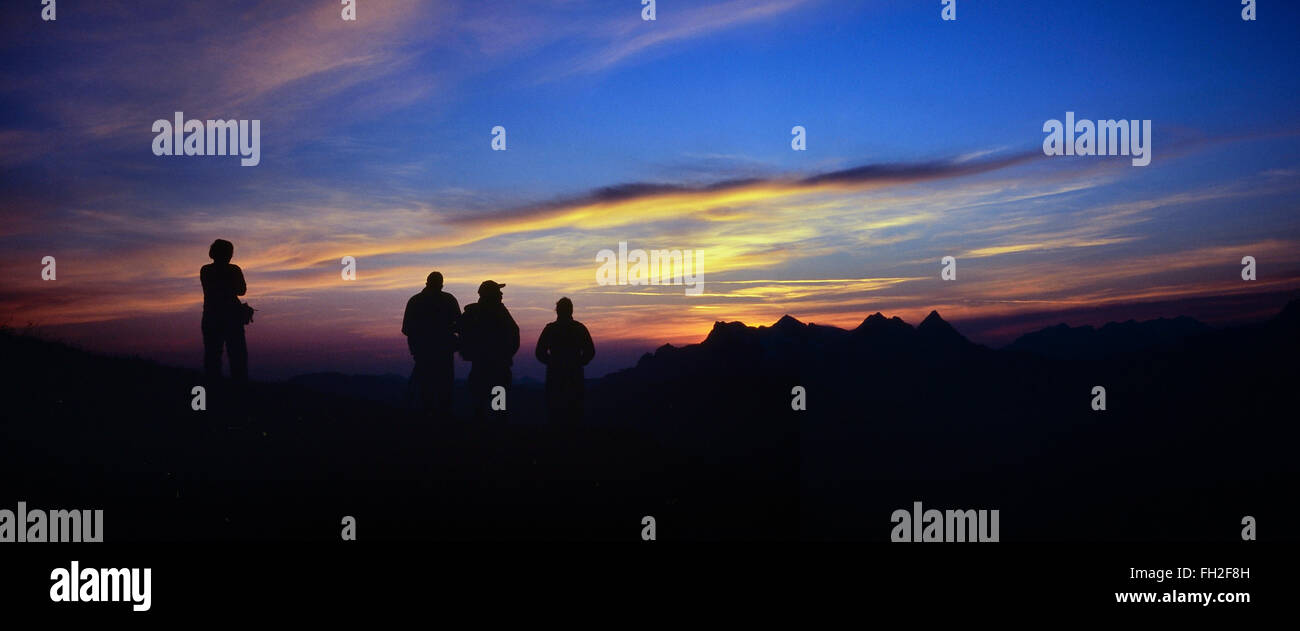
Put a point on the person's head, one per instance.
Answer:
(221, 251)
(564, 308)
(434, 281)
(490, 291)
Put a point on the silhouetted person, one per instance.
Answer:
(489, 339)
(565, 347)
(429, 325)
(223, 314)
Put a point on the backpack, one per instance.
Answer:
(246, 313)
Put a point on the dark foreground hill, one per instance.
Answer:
(287, 462)
(1197, 433)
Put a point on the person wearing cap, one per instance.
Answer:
(429, 325)
(489, 339)
(565, 347)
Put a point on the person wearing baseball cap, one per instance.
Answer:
(489, 339)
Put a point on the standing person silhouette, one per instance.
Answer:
(489, 339)
(565, 347)
(429, 325)
(223, 321)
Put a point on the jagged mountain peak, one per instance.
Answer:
(788, 322)
(878, 322)
(935, 322)
(724, 332)
(934, 327)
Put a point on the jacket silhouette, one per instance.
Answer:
(565, 347)
(223, 323)
(429, 324)
(489, 339)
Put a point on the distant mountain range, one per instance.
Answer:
(1085, 342)
(789, 341)
(878, 332)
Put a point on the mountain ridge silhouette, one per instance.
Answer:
(877, 333)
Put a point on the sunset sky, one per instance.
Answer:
(924, 140)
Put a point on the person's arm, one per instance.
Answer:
(454, 319)
(463, 324)
(514, 332)
(241, 287)
(588, 348)
(406, 321)
(462, 321)
(543, 350)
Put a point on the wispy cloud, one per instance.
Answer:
(631, 36)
